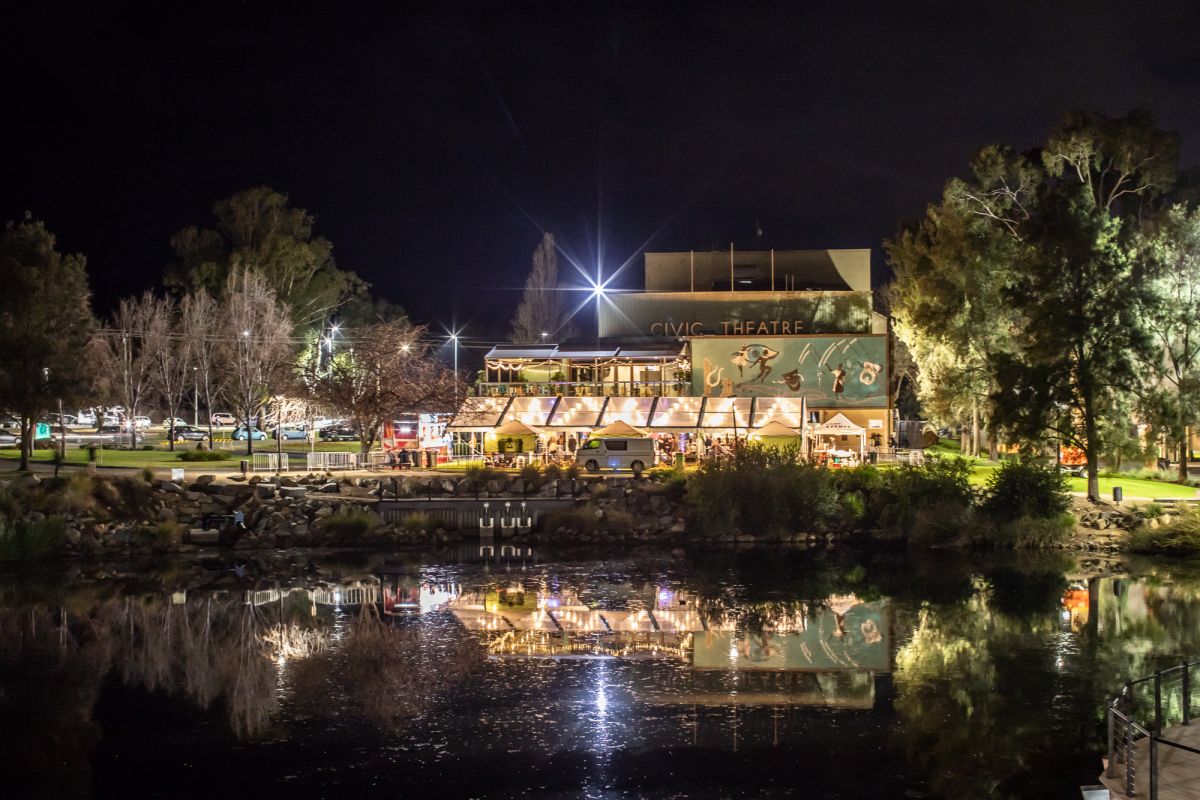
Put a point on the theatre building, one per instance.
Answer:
(718, 345)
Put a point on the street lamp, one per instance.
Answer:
(544, 335)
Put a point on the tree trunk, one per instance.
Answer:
(26, 441)
(975, 427)
(1184, 452)
(1093, 457)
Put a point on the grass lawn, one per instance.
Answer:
(119, 458)
(1133, 487)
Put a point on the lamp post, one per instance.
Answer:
(454, 341)
(195, 397)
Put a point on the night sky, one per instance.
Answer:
(433, 144)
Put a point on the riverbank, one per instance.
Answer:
(115, 516)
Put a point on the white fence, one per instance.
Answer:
(376, 459)
(329, 461)
(268, 462)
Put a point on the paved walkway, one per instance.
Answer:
(1178, 770)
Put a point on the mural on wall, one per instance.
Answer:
(831, 371)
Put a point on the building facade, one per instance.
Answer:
(720, 342)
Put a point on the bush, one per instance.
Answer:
(933, 500)
(531, 474)
(160, 538)
(762, 490)
(481, 473)
(147, 475)
(1179, 536)
(24, 540)
(415, 522)
(552, 472)
(200, 455)
(1027, 490)
(350, 525)
(1029, 531)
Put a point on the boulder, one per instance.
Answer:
(201, 536)
(293, 492)
(170, 486)
(329, 488)
(205, 480)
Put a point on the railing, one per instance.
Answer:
(317, 461)
(584, 389)
(268, 462)
(1125, 730)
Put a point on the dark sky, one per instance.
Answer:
(433, 140)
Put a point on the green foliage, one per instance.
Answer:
(416, 522)
(1026, 489)
(201, 455)
(935, 497)
(482, 473)
(531, 474)
(1178, 536)
(161, 538)
(147, 475)
(762, 490)
(24, 540)
(45, 322)
(1027, 531)
(350, 524)
(552, 472)
(672, 482)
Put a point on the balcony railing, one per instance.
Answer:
(584, 389)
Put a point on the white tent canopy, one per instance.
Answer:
(840, 425)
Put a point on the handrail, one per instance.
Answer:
(1124, 730)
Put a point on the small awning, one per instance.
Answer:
(618, 428)
(777, 429)
(514, 427)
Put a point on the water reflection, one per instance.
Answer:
(721, 671)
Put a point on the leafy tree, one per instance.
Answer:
(45, 321)
(951, 271)
(384, 370)
(1172, 402)
(1082, 290)
(257, 350)
(256, 229)
(541, 309)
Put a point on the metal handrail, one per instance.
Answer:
(1124, 731)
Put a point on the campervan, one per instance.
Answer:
(617, 452)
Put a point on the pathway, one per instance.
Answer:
(1178, 770)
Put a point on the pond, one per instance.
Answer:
(509, 672)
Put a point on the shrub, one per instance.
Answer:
(350, 525)
(147, 475)
(935, 497)
(531, 474)
(1029, 531)
(759, 490)
(552, 472)
(482, 473)
(1179, 536)
(161, 537)
(418, 521)
(572, 471)
(1022, 489)
(200, 455)
(24, 540)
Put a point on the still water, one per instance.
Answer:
(483, 672)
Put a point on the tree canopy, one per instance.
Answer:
(257, 229)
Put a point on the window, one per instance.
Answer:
(592, 444)
(615, 446)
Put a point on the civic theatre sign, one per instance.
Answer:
(687, 314)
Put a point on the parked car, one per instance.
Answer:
(142, 422)
(85, 417)
(66, 419)
(617, 452)
(338, 434)
(179, 423)
(288, 433)
(326, 422)
(223, 418)
(243, 433)
(111, 425)
(189, 433)
(9, 439)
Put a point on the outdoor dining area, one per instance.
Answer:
(517, 431)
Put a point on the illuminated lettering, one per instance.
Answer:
(654, 325)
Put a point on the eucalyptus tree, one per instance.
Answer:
(257, 229)
(951, 270)
(45, 322)
(1081, 289)
(1171, 402)
(542, 309)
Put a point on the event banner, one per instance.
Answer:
(855, 640)
(831, 371)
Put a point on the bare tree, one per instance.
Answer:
(259, 350)
(386, 370)
(171, 363)
(126, 352)
(200, 323)
(541, 309)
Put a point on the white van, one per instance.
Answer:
(618, 452)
